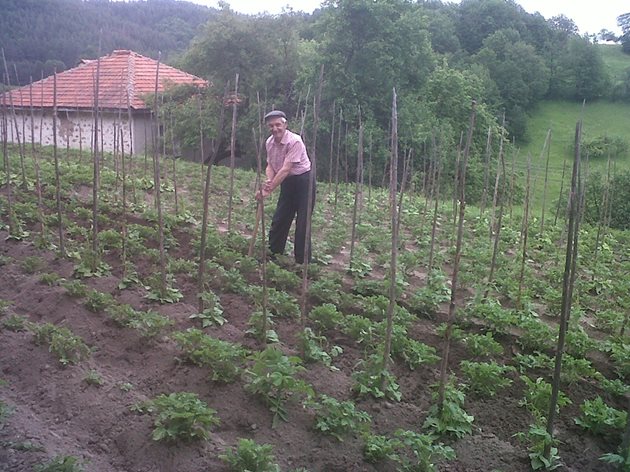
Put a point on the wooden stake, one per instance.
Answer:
(458, 253)
(393, 188)
(567, 282)
(62, 249)
(311, 200)
(232, 153)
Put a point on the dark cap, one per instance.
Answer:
(275, 114)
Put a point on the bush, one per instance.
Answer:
(179, 415)
(250, 457)
(619, 199)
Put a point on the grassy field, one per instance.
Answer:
(616, 61)
(599, 119)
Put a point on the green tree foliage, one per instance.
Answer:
(387, 38)
(624, 22)
(619, 195)
(263, 50)
(41, 35)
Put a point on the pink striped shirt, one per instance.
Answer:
(292, 149)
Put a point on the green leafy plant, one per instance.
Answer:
(282, 278)
(15, 323)
(482, 345)
(5, 412)
(61, 464)
(125, 386)
(68, 347)
(314, 348)
(32, 264)
(486, 378)
(419, 452)
(75, 288)
(620, 354)
(91, 265)
(338, 418)
(150, 323)
(325, 316)
(224, 358)
(273, 377)
(361, 329)
(615, 387)
(601, 419)
(130, 277)
(375, 379)
(489, 310)
(179, 415)
(452, 419)
(413, 352)
(538, 395)
(378, 448)
(539, 439)
(427, 300)
(92, 377)
(618, 460)
(51, 279)
(157, 293)
(250, 457)
(110, 239)
(257, 321)
(212, 313)
(279, 303)
(412, 451)
(96, 301)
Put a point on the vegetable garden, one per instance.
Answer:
(425, 341)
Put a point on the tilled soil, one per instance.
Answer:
(55, 412)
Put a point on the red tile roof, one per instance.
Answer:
(119, 72)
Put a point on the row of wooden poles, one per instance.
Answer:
(575, 206)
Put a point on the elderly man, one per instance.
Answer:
(289, 168)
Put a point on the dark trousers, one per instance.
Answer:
(293, 200)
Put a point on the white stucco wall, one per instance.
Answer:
(76, 129)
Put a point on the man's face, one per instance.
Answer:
(277, 126)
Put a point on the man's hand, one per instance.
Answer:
(267, 186)
(262, 194)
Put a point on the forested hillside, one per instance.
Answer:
(39, 35)
(438, 56)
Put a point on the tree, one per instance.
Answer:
(388, 38)
(619, 204)
(261, 49)
(624, 23)
(520, 74)
(563, 24)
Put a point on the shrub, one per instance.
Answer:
(179, 415)
(601, 419)
(224, 358)
(250, 457)
(486, 378)
(338, 418)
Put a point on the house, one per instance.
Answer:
(124, 78)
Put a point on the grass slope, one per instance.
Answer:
(616, 61)
(598, 119)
